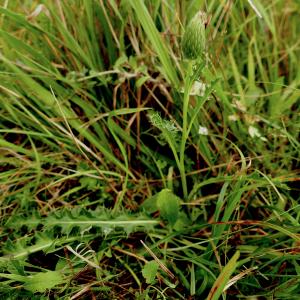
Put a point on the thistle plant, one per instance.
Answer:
(193, 49)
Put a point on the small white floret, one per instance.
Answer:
(254, 132)
(198, 89)
(233, 118)
(203, 130)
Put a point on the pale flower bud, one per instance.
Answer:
(194, 40)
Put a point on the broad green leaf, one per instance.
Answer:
(149, 271)
(150, 204)
(168, 205)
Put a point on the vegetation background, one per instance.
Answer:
(127, 172)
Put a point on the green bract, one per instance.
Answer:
(194, 41)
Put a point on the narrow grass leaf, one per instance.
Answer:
(155, 39)
(220, 284)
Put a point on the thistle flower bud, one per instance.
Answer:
(194, 40)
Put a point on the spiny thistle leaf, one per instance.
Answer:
(38, 282)
(42, 281)
(21, 248)
(194, 40)
(84, 220)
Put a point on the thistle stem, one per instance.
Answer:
(186, 98)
